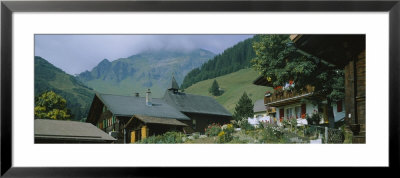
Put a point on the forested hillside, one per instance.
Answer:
(50, 78)
(231, 60)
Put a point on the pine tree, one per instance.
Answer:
(214, 89)
(182, 89)
(244, 108)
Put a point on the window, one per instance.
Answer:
(281, 114)
(290, 113)
(298, 111)
(194, 123)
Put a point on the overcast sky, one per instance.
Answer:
(77, 53)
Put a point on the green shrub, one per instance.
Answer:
(226, 135)
(314, 119)
(270, 134)
(196, 135)
(244, 125)
(221, 137)
(168, 137)
(213, 129)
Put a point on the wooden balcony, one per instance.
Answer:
(285, 97)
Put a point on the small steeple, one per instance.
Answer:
(174, 85)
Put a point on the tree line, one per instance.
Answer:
(231, 60)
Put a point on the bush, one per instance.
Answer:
(213, 130)
(221, 137)
(244, 125)
(196, 135)
(226, 135)
(271, 134)
(314, 119)
(285, 123)
(168, 137)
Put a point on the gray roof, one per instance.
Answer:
(132, 105)
(157, 120)
(259, 106)
(70, 130)
(195, 103)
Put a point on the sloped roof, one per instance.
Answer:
(131, 105)
(195, 103)
(158, 120)
(262, 81)
(69, 130)
(259, 106)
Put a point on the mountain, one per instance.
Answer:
(150, 69)
(48, 77)
(233, 86)
(231, 60)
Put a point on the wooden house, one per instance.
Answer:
(60, 131)
(202, 110)
(131, 118)
(346, 52)
(290, 104)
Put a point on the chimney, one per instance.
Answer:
(148, 97)
(136, 94)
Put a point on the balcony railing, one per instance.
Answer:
(281, 94)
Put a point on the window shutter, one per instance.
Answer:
(339, 106)
(303, 110)
(281, 113)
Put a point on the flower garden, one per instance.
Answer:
(240, 132)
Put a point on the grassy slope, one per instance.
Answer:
(64, 83)
(234, 85)
(49, 77)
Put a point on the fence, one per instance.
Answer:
(328, 135)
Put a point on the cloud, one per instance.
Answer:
(77, 53)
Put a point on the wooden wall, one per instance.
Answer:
(355, 90)
(203, 120)
(95, 110)
(360, 96)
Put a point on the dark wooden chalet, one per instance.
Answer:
(202, 110)
(346, 52)
(131, 118)
(60, 131)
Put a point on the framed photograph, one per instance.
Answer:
(111, 88)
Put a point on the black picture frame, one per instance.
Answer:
(8, 7)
